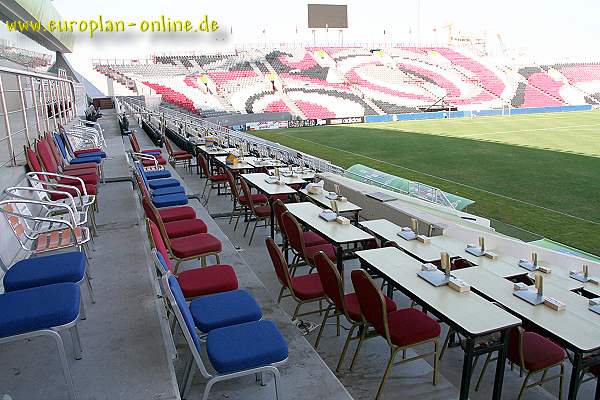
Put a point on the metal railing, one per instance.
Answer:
(192, 127)
(30, 104)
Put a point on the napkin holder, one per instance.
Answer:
(477, 251)
(328, 215)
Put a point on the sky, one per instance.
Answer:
(546, 30)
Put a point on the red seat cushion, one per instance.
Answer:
(87, 179)
(409, 326)
(81, 171)
(540, 352)
(307, 287)
(262, 211)
(207, 280)
(181, 153)
(218, 178)
(313, 239)
(91, 190)
(86, 165)
(353, 307)
(326, 248)
(159, 159)
(282, 197)
(185, 227)
(256, 198)
(151, 151)
(176, 213)
(195, 245)
(186, 156)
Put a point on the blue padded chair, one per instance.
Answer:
(224, 309)
(160, 174)
(48, 270)
(238, 350)
(75, 154)
(163, 197)
(43, 311)
(158, 184)
(84, 158)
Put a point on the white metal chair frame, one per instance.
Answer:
(43, 225)
(82, 194)
(83, 214)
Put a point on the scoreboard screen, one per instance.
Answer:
(327, 16)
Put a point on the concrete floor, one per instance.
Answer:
(126, 343)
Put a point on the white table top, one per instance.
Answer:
(264, 162)
(389, 231)
(343, 206)
(240, 165)
(215, 151)
(472, 312)
(302, 173)
(308, 213)
(575, 325)
(258, 180)
(504, 266)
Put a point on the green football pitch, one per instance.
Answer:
(532, 175)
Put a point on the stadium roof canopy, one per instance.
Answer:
(42, 11)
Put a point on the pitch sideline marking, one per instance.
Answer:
(447, 180)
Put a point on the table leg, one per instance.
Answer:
(339, 259)
(272, 218)
(465, 381)
(574, 383)
(500, 364)
(390, 290)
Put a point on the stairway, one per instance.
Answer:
(295, 111)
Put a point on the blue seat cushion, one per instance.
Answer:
(245, 346)
(38, 308)
(177, 199)
(152, 151)
(168, 190)
(163, 183)
(224, 309)
(100, 154)
(45, 270)
(163, 173)
(82, 160)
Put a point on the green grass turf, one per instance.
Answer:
(537, 172)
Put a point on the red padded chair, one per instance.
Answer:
(340, 303)
(174, 229)
(135, 145)
(402, 329)
(167, 214)
(295, 237)
(178, 156)
(303, 289)
(212, 179)
(190, 247)
(196, 281)
(310, 238)
(34, 166)
(261, 212)
(257, 198)
(533, 353)
(88, 175)
(61, 162)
